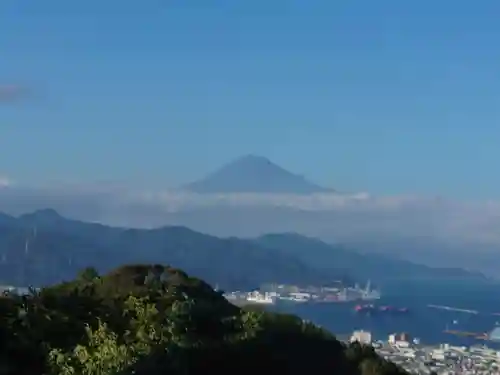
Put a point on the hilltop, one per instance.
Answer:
(154, 319)
(254, 174)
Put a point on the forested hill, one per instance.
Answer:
(148, 320)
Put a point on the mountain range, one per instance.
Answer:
(422, 232)
(43, 248)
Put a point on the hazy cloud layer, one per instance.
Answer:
(332, 216)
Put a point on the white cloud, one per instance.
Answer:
(328, 215)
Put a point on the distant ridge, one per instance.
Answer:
(254, 174)
(59, 247)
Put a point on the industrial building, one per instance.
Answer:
(363, 337)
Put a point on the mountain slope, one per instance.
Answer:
(43, 247)
(253, 174)
(340, 260)
(58, 247)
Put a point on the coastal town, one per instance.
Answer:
(400, 348)
(442, 359)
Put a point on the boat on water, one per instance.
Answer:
(298, 297)
(395, 310)
(261, 298)
(371, 309)
(366, 309)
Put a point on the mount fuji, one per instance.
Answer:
(254, 174)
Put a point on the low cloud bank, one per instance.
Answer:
(343, 216)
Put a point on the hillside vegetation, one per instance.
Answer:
(151, 320)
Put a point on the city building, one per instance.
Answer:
(363, 337)
(399, 339)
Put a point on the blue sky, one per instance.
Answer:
(382, 96)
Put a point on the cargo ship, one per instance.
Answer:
(371, 309)
(396, 310)
(365, 309)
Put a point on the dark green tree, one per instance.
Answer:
(88, 274)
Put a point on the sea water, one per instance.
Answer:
(422, 321)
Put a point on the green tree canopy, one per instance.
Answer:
(148, 320)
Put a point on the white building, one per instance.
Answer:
(363, 337)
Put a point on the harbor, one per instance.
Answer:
(272, 294)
